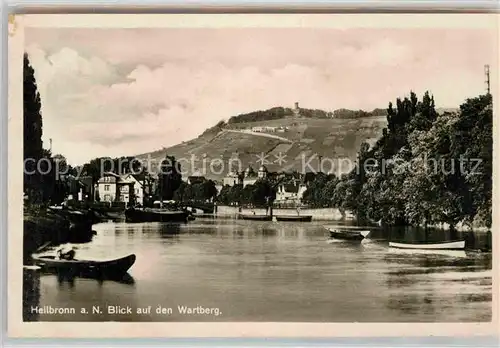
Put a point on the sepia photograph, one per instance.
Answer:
(283, 169)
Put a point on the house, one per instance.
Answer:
(264, 129)
(250, 177)
(218, 186)
(231, 179)
(106, 187)
(131, 185)
(257, 129)
(290, 193)
(127, 188)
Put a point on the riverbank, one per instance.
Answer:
(318, 214)
(57, 226)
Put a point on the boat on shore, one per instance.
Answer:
(297, 218)
(255, 217)
(85, 267)
(155, 215)
(348, 234)
(446, 245)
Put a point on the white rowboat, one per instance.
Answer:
(434, 252)
(455, 245)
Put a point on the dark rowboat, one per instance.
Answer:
(85, 268)
(348, 234)
(298, 218)
(155, 215)
(256, 217)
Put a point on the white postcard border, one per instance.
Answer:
(18, 328)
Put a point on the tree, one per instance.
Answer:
(355, 182)
(236, 194)
(223, 197)
(94, 170)
(247, 194)
(314, 193)
(426, 114)
(263, 193)
(423, 171)
(33, 149)
(170, 177)
(472, 141)
(180, 193)
(209, 190)
(230, 195)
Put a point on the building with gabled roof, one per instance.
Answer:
(127, 188)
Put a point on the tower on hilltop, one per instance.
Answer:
(296, 110)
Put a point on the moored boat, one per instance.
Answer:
(348, 234)
(298, 218)
(85, 267)
(155, 215)
(446, 245)
(443, 252)
(255, 217)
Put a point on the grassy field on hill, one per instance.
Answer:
(328, 138)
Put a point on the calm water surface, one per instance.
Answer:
(270, 271)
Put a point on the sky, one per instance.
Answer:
(114, 92)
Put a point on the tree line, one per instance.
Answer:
(260, 194)
(281, 112)
(427, 168)
(350, 114)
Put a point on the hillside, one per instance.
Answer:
(298, 139)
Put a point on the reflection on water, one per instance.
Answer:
(31, 294)
(438, 281)
(269, 271)
(126, 278)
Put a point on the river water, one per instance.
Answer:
(234, 270)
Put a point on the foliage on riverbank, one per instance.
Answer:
(427, 168)
(42, 225)
(202, 191)
(260, 194)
